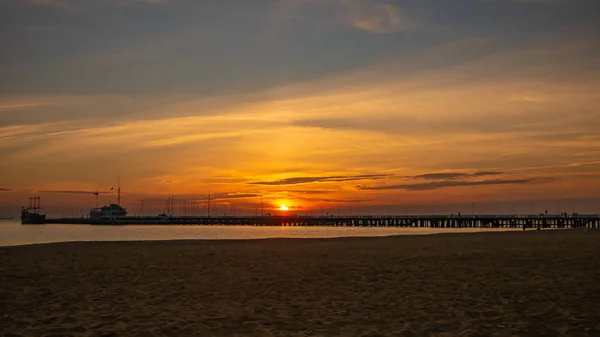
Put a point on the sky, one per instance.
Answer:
(333, 106)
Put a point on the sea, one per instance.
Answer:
(12, 233)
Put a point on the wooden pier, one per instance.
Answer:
(441, 221)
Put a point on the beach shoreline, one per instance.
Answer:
(14, 234)
(366, 236)
(446, 284)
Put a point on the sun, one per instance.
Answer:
(283, 208)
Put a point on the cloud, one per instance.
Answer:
(417, 112)
(221, 196)
(53, 3)
(539, 2)
(309, 191)
(452, 183)
(70, 3)
(201, 198)
(337, 200)
(5, 189)
(19, 106)
(452, 175)
(380, 18)
(533, 2)
(372, 16)
(305, 180)
(73, 192)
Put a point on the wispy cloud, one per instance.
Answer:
(233, 195)
(539, 1)
(374, 16)
(310, 191)
(452, 175)
(337, 200)
(5, 189)
(305, 180)
(380, 18)
(20, 106)
(69, 3)
(534, 2)
(451, 183)
(75, 192)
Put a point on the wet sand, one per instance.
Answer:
(487, 284)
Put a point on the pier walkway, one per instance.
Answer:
(441, 221)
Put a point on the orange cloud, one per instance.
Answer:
(370, 121)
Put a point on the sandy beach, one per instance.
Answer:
(486, 284)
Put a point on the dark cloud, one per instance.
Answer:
(305, 180)
(436, 176)
(452, 175)
(453, 183)
(234, 195)
(484, 173)
(333, 200)
(4, 189)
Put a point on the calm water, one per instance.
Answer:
(13, 233)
